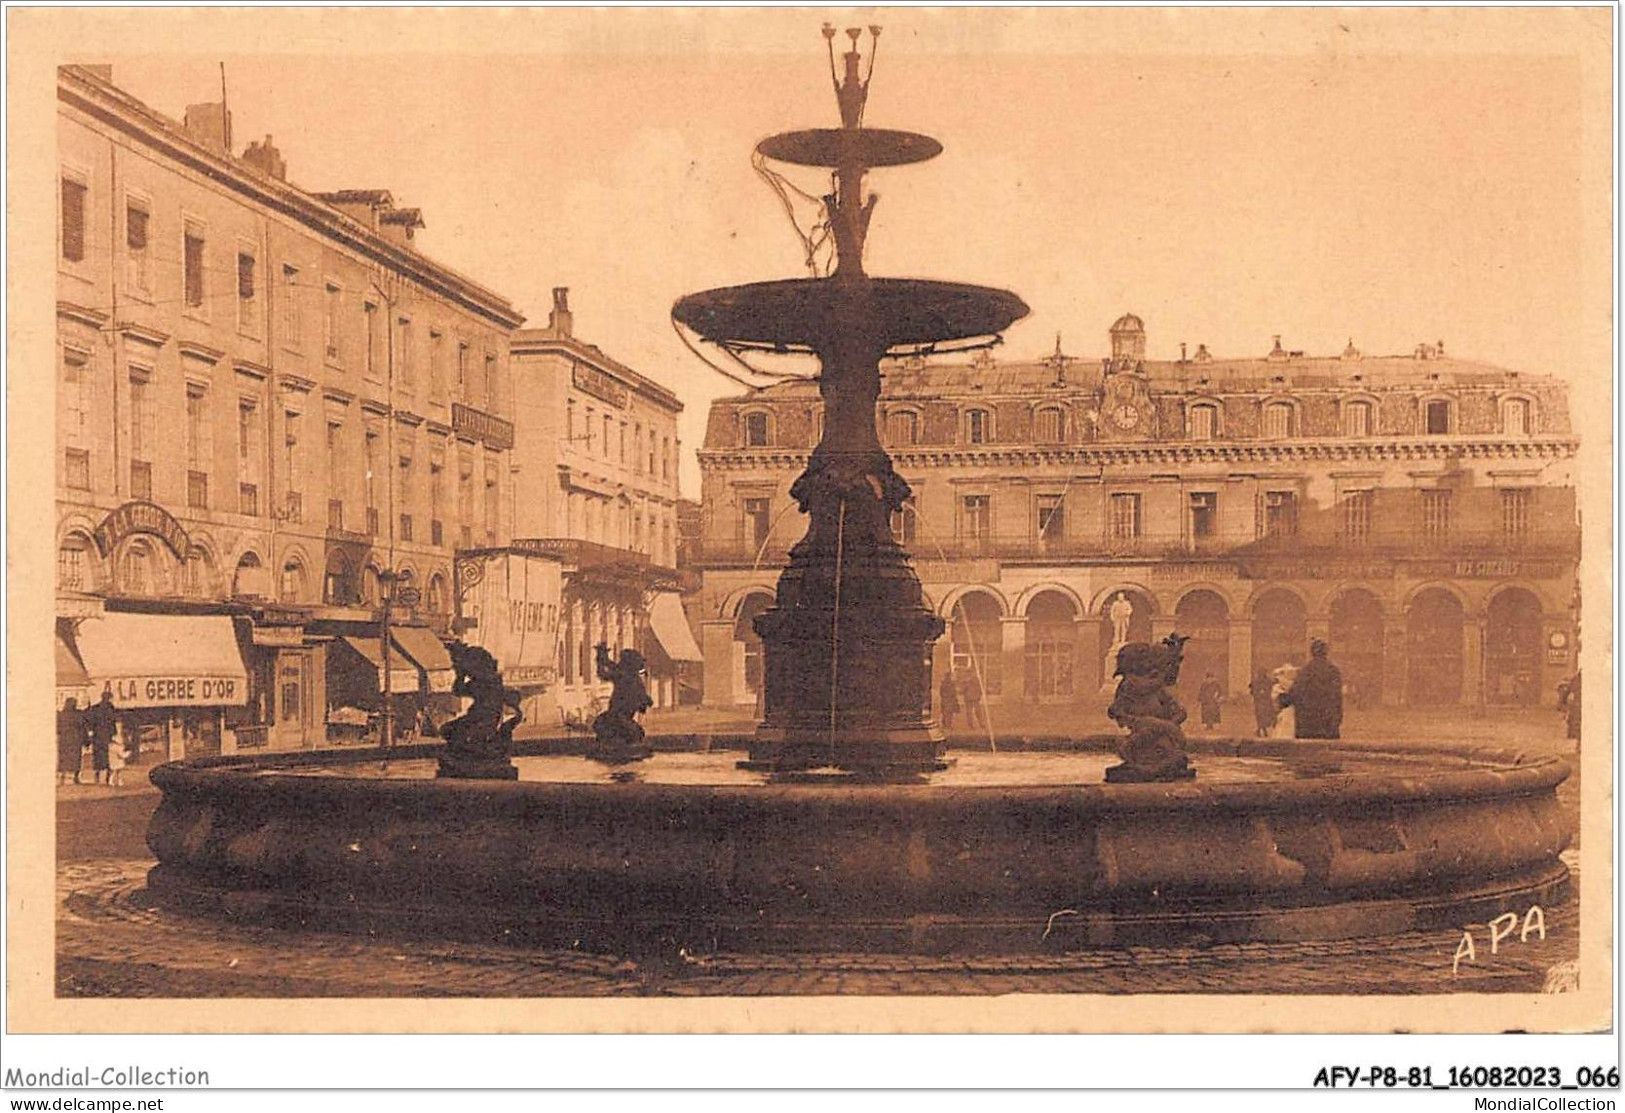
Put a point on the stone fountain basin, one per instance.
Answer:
(1007, 851)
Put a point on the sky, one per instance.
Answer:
(1224, 176)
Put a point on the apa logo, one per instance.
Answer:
(1499, 928)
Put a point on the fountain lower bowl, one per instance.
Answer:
(1001, 852)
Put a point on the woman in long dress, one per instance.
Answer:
(1286, 721)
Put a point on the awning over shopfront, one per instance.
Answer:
(163, 660)
(428, 653)
(71, 677)
(403, 671)
(670, 628)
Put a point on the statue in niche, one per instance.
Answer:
(1154, 749)
(1120, 612)
(618, 735)
(479, 742)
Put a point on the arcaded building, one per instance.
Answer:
(1417, 511)
(268, 402)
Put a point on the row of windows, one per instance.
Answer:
(144, 448)
(142, 568)
(403, 348)
(1280, 421)
(1276, 514)
(648, 453)
(622, 525)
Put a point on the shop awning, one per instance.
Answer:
(164, 660)
(670, 628)
(403, 671)
(71, 677)
(428, 653)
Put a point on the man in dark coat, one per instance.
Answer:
(1210, 696)
(102, 721)
(1264, 709)
(948, 700)
(1317, 694)
(70, 741)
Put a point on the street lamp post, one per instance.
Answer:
(392, 585)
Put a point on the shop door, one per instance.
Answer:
(1434, 650)
(1512, 649)
(296, 718)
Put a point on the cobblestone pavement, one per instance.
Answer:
(111, 942)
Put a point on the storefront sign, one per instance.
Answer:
(530, 676)
(514, 608)
(71, 606)
(1487, 569)
(177, 691)
(141, 517)
(287, 637)
(1366, 570)
(487, 428)
(594, 382)
(1176, 570)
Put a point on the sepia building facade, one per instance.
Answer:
(270, 405)
(596, 481)
(1417, 511)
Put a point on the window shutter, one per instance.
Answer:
(194, 270)
(73, 220)
(135, 229)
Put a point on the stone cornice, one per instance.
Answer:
(95, 318)
(1179, 454)
(200, 351)
(251, 369)
(141, 333)
(537, 342)
(117, 110)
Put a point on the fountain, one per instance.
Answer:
(844, 826)
(847, 670)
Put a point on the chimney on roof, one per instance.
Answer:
(398, 225)
(560, 321)
(208, 124)
(1182, 358)
(1277, 352)
(265, 158)
(1202, 354)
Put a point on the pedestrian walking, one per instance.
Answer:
(115, 765)
(70, 741)
(1316, 695)
(1265, 710)
(1286, 717)
(1210, 697)
(102, 720)
(971, 689)
(948, 700)
(1571, 709)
